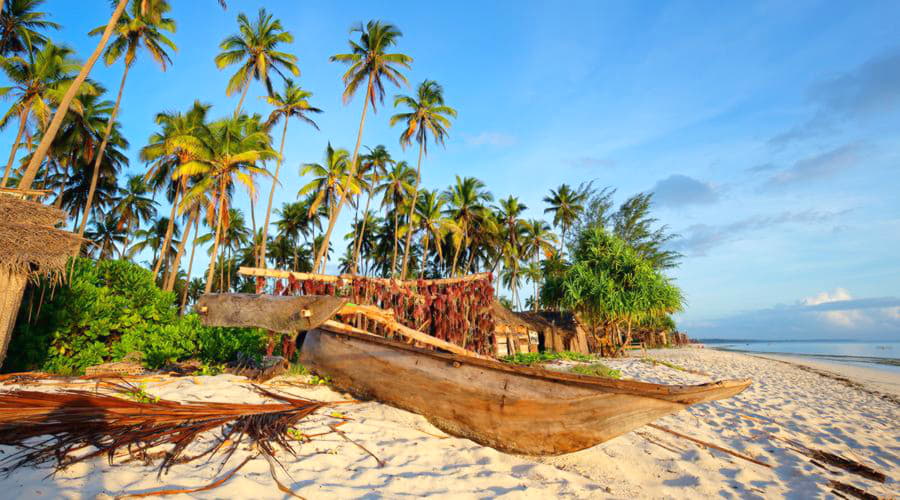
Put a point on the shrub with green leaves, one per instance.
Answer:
(597, 370)
(533, 358)
(108, 309)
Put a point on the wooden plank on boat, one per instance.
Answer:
(279, 314)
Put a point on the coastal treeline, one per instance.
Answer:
(605, 262)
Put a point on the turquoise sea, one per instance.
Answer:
(881, 355)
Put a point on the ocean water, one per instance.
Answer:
(881, 355)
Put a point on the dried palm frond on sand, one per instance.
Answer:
(73, 426)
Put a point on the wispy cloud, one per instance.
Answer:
(871, 89)
(679, 190)
(818, 166)
(697, 240)
(496, 139)
(591, 162)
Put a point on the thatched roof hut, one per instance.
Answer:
(558, 331)
(30, 247)
(512, 334)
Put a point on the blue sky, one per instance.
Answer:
(768, 130)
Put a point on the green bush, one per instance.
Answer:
(533, 358)
(109, 309)
(597, 370)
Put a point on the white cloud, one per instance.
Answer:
(497, 139)
(850, 318)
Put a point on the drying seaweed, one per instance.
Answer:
(68, 427)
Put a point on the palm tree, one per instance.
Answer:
(170, 148)
(427, 115)
(38, 83)
(397, 185)
(133, 30)
(153, 238)
(508, 212)
(368, 60)
(105, 235)
(331, 182)
(537, 239)
(37, 159)
(19, 25)
(566, 205)
(50, 134)
(292, 102)
(374, 165)
(254, 48)
(466, 201)
(224, 155)
(295, 221)
(430, 219)
(133, 207)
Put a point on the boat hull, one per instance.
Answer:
(512, 409)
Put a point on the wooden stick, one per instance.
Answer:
(276, 273)
(710, 445)
(386, 319)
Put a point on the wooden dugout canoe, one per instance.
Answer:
(514, 409)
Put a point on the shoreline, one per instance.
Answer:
(879, 381)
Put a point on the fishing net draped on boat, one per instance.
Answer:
(456, 310)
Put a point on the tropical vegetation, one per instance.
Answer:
(185, 195)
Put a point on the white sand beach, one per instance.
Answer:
(784, 403)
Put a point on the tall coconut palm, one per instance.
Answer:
(38, 84)
(255, 50)
(536, 239)
(368, 61)
(566, 205)
(134, 29)
(434, 225)
(508, 211)
(19, 27)
(133, 208)
(105, 235)
(294, 222)
(226, 154)
(374, 165)
(292, 102)
(331, 182)
(37, 159)
(396, 187)
(427, 116)
(170, 148)
(466, 201)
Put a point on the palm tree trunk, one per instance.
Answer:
(456, 251)
(237, 110)
(169, 230)
(127, 238)
(332, 219)
(187, 286)
(424, 255)
(362, 232)
(562, 240)
(173, 274)
(262, 251)
(412, 207)
(212, 257)
(396, 239)
(15, 148)
(99, 157)
(38, 157)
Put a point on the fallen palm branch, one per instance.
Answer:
(851, 466)
(73, 426)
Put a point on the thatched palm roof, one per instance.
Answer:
(29, 244)
(503, 315)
